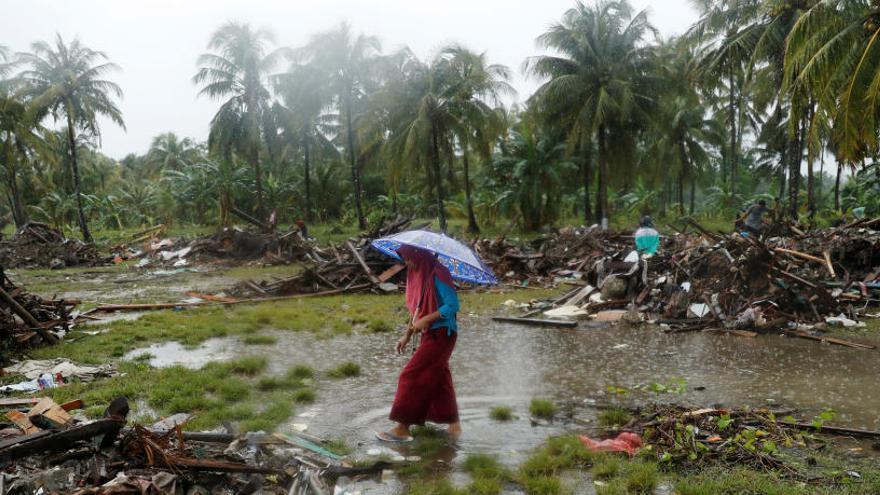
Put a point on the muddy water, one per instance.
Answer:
(502, 364)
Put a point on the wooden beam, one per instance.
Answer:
(363, 263)
(387, 274)
(27, 317)
(148, 307)
(536, 322)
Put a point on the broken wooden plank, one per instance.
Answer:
(50, 410)
(387, 274)
(363, 264)
(146, 307)
(214, 466)
(29, 401)
(831, 340)
(73, 405)
(47, 441)
(536, 322)
(27, 317)
(825, 262)
(22, 421)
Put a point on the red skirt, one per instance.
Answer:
(424, 389)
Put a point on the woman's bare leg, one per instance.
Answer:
(455, 430)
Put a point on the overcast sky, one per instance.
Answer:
(157, 42)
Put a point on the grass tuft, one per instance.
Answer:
(501, 413)
(345, 370)
(614, 416)
(301, 371)
(542, 408)
(379, 326)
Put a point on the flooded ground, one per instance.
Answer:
(502, 364)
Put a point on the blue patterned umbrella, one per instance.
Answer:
(462, 263)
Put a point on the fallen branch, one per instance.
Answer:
(147, 307)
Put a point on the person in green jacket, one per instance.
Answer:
(647, 237)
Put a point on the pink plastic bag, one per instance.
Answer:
(625, 442)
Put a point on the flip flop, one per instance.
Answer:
(388, 437)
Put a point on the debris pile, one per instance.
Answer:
(734, 283)
(348, 267)
(548, 259)
(27, 319)
(37, 245)
(52, 449)
(695, 438)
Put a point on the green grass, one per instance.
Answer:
(607, 466)
(614, 417)
(379, 326)
(542, 408)
(501, 413)
(339, 447)
(345, 370)
(220, 391)
(193, 326)
(301, 371)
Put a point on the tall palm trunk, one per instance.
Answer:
(472, 227)
(794, 173)
(733, 114)
(258, 179)
(308, 178)
(837, 187)
(683, 173)
(602, 195)
(355, 171)
(693, 193)
(438, 178)
(77, 184)
(783, 165)
(588, 178)
(811, 199)
(18, 214)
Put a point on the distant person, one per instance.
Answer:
(754, 218)
(647, 237)
(303, 230)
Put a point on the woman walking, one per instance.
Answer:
(424, 389)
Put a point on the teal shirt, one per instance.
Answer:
(447, 306)
(647, 240)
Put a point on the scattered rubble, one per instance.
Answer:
(27, 319)
(348, 267)
(741, 285)
(52, 449)
(37, 245)
(754, 437)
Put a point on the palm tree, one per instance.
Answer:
(344, 58)
(831, 54)
(170, 152)
(683, 136)
(304, 121)
(477, 90)
(66, 79)
(236, 70)
(534, 167)
(20, 136)
(598, 84)
(424, 119)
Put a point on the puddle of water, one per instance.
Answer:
(173, 353)
(502, 364)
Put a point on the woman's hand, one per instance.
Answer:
(404, 340)
(422, 324)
